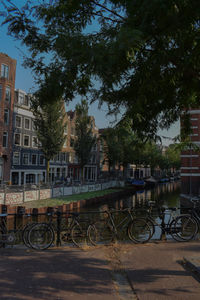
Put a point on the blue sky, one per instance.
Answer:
(24, 81)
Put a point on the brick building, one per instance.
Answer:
(7, 87)
(28, 163)
(190, 160)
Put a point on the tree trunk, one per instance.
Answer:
(48, 164)
(124, 171)
(82, 180)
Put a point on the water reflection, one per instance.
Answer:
(166, 194)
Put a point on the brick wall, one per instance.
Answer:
(190, 159)
(5, 153)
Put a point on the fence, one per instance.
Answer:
(11, 195)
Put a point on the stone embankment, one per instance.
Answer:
(73, 206)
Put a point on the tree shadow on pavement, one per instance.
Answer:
(54, 274)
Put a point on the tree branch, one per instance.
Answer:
(107, 18)
(111, 11)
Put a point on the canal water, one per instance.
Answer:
(164, 195)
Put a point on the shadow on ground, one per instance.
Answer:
(53, 274)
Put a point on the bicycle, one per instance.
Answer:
(6, 237)
(15, 235)
(189, 223)
(105, 231)
(42, 235)
(181, 227)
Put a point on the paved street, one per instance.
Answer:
(151, 271)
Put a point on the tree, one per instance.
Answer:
(144, 54)
(173, 154)
(84, 136)
(127, 144)
(152, 155)
(111, 150)
(122, 146)
(49, 126)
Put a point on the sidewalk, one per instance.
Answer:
(55, 274)
(157, 271)
(150, 271)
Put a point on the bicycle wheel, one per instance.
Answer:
(79, 234)
(25, 233)
(186, 228)
(100, 233)
(151, 226)
(41, 236)
(139, 231)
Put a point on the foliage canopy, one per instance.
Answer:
(85, 139)
(144, 54)
(49, 126)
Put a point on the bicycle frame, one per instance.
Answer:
(121, 225)
(7, 238)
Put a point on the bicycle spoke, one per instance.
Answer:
(186, 227)
(100, 233)
(139, 231)
(41, 236)
(79, 234)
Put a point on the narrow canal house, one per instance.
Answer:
(28, 162)
(7, 86)
(190, 162)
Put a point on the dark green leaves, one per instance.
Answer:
(144, 54)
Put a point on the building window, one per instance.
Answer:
(0, 91)
(5, 139)
(30, 178)
(26, 140)
(33, 125)
(65, 143)
(34, 142)
(18, 121)
(71, 157)
(65, 129)
(8, 93)
(34, 159)
(71, 142)
(26, 101)
(6, 116)
(17, 139)
(27, 123)
(42, 160)
(4, 71)
(25, 158)
(16, 158)
(21, 98)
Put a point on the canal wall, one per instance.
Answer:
(8, 197)
(73, 206)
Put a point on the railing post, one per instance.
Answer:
(59, 217)
(4, 194)
(23, 194)
(4, 224)
(39, 191)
